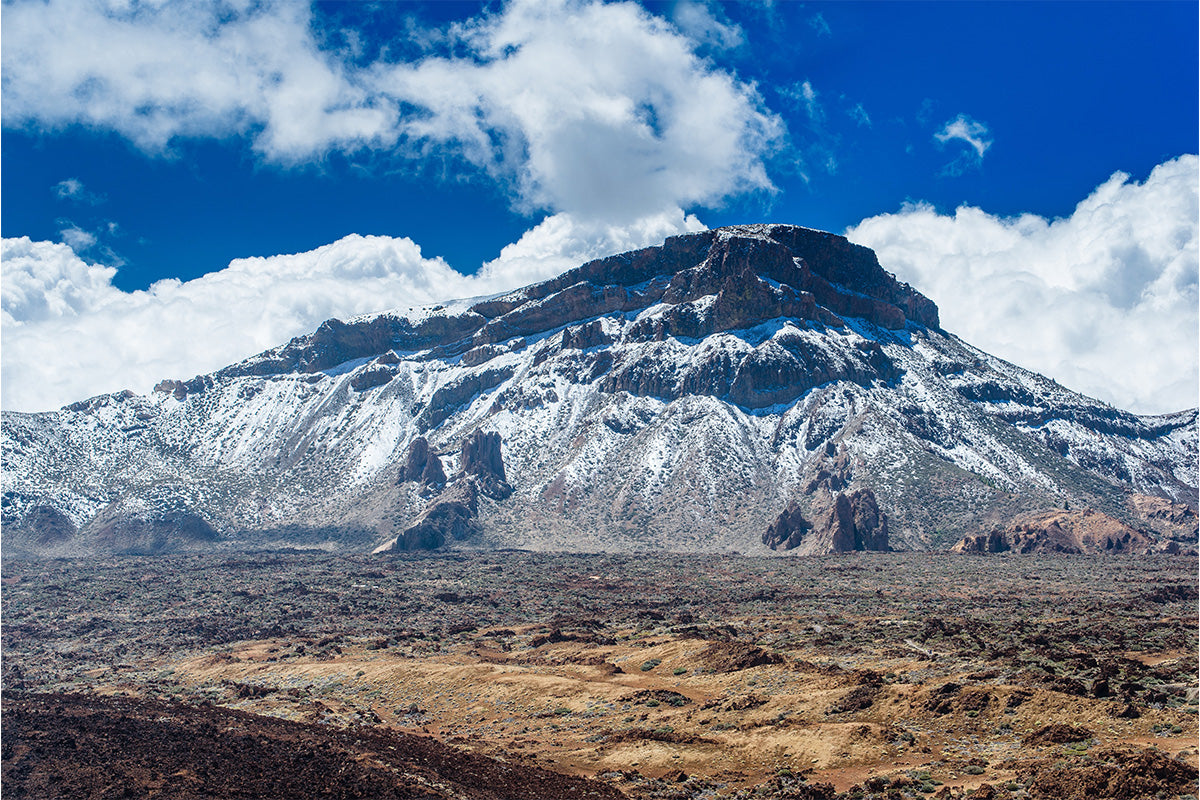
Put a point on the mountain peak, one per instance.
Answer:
(715, 280)
(756, 388)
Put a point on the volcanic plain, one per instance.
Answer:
(516, 674)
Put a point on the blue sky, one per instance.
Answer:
(151, 143)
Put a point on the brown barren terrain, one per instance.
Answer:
(870, 675)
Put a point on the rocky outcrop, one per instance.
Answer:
(1060, 532)
(447, 399)
(840, 523)
(482, 459)
(581, 337)
(451, 516)
(423, 466)
(1174, 521)
(376, 376)
(177, 389)
(788, 530)
(850, 522)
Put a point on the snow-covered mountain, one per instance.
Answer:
(757, 389)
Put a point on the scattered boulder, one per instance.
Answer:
(727, 657)
(1058, 733)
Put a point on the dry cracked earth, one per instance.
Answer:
(521, 675)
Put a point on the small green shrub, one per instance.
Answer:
(651, 664)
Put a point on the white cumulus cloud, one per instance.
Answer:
(577, 106)
(561, 242)
(1104, 301)
(598, 110)
(70, 334)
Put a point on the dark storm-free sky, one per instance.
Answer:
(1028, 165)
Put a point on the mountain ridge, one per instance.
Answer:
(683, 397)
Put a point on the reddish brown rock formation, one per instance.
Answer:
(1084, 531)
(1176, 521)
(841, 521)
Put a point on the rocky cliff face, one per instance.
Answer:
(760, 388)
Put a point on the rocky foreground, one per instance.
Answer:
(874, 676)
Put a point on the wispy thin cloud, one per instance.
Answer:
(707, 24)
(72, 189)
(971, 132)
(819, 24)
(859, 115)
(77, 238)
(968, 130)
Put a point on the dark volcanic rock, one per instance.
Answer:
(788, 529)
(482, 458)
(450, 516)
(71, 746)
(423, 466)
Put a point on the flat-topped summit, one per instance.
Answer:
(751, 272)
